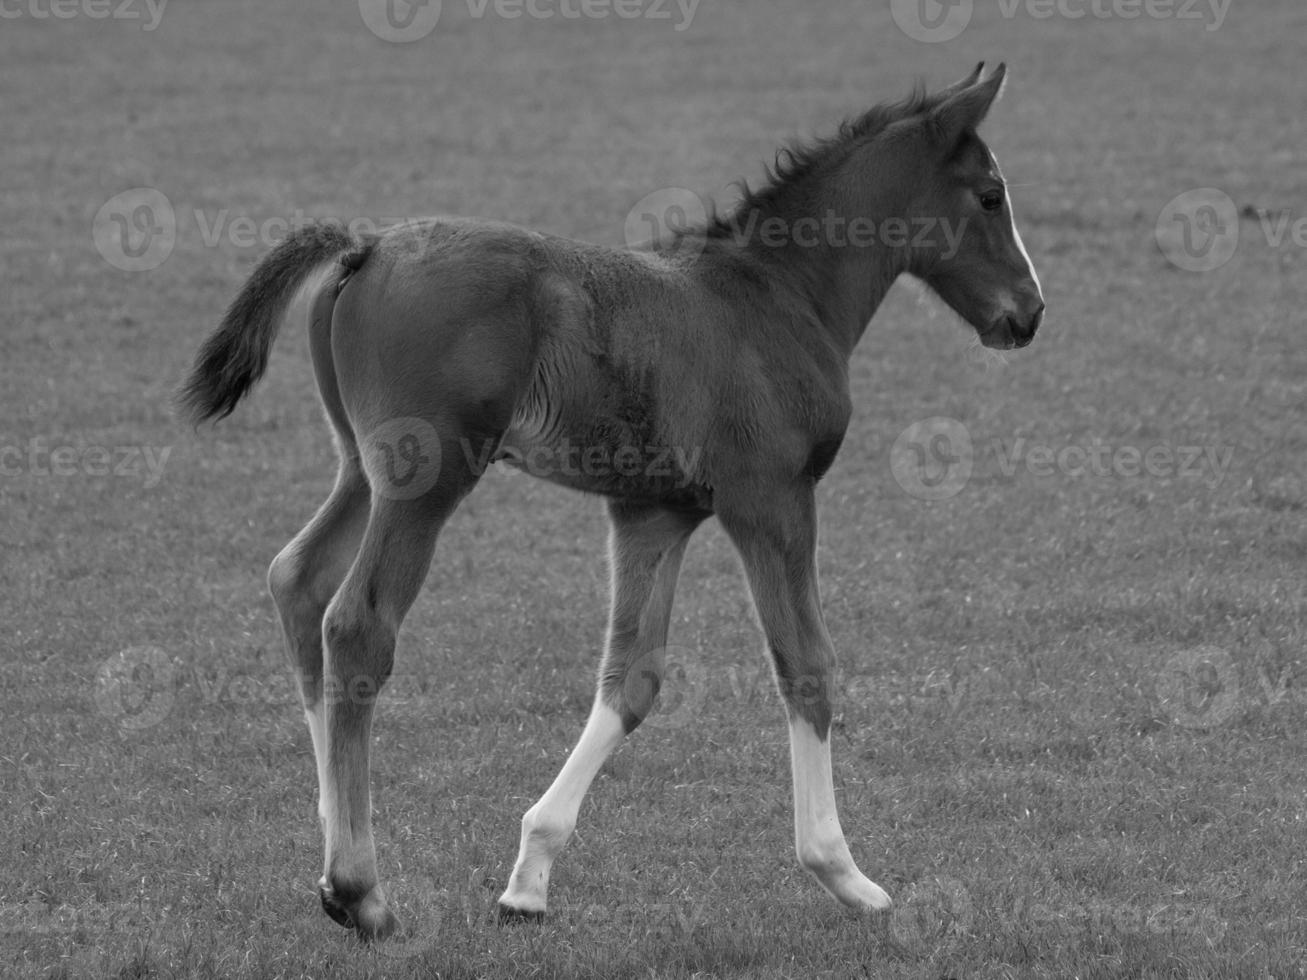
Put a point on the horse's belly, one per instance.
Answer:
(628, 466)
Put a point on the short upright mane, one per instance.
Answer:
(799, 160)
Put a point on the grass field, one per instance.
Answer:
(1072, 738)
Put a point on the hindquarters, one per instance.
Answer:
(432, 347)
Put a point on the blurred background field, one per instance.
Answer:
(1072, 736)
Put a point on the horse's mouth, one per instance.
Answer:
(1007, 333)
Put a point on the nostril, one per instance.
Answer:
(1037, 318)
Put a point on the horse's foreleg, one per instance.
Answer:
(776, 537)
(646, 547)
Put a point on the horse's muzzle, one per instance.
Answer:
(1012, 331)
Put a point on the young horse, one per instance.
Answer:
(444, 344)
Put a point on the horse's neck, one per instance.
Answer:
(864, 280)
(843, 278)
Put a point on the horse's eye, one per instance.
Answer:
(991, 200)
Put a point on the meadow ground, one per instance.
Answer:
(1071, 736)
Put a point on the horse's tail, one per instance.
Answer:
(235, 355)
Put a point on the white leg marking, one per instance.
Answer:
(818, 838)
(317, 718)
(547, 825)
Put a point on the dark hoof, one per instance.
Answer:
(368, 915)
(511, 916)
(334, 907)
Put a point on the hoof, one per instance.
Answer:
(333, 906)
(368, 914)
(508, 915)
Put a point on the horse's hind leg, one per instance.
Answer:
(360, 628)
(308, 572)
(303, 578)
(646, 547)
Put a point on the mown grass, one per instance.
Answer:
(1030, 755)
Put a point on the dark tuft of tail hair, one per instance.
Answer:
(234, 357)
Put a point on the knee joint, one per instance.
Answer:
(296, 589)
(357, 638)
(284, 577)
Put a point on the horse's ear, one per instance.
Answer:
(964, 110)
(962, 84)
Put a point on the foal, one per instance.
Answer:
(444, 344)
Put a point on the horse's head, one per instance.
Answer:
(974, 259)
